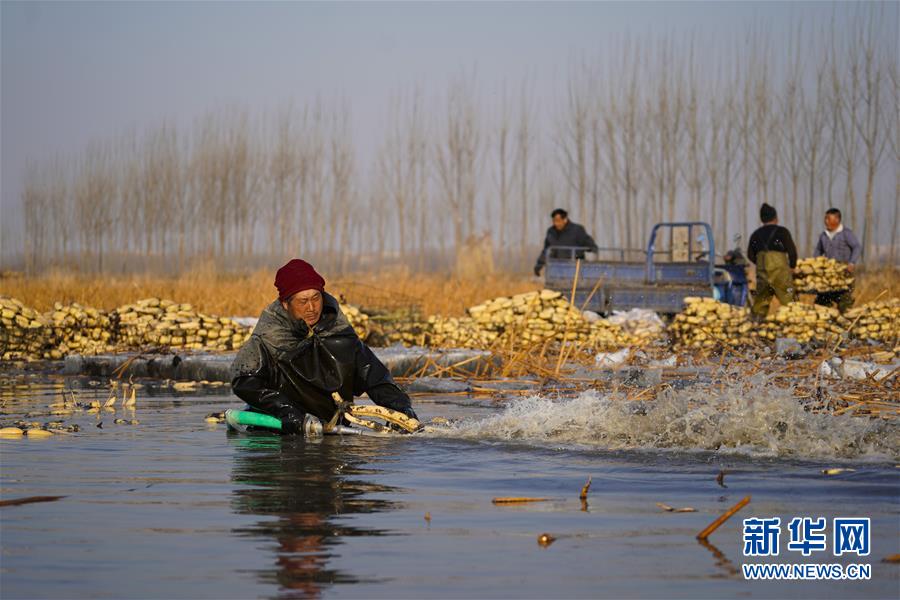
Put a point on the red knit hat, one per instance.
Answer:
(297, 275)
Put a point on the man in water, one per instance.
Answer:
(839, 243)
(773, 252)
(302, 350)
(563, 233)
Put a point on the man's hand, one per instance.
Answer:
(850, 267)
(409, 412)
(291, 422)
(537, 270)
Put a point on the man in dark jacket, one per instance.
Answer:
(302, 350)
(563, 233)
(773, 252)
(839, 243)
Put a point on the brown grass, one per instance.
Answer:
(247, 295)
(869, 284)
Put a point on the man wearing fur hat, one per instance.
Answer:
(302, 350)
(772, 250)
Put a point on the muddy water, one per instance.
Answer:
(175, 508)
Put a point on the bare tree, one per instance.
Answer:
(502, 172)
(417, 142)
(403, 168)
(392, 164)
(653, 149)
(869, 119)
(95, 194)
(728, 153)
(456, 159)
(342, 166)
(844, 104)
(573, 132)
(630, 147)
(745, 130)
(242, 173)
(162, 184)
(378, 201)
(763, 125)
(895, 149)
(34, 207)
(59, 214)
(792, 110)
(814, 124)
(317, 178)
(282, 174)
(712, 161)
(693, 172)
(523, 164)
(612, 165)
(207, 182)
(671, 120)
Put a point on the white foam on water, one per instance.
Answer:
(752, 418)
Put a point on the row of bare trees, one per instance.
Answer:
(661, 130)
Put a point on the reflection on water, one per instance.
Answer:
(726, 566)
(301, 489)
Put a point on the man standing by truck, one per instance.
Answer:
(773, 252)
(839, 243)
(564, 232)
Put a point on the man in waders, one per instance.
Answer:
(839, 243)
(773, 252)
(304, 349)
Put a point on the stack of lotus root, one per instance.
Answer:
(821, 274)
(23, 331)
(879, 321)
(401, 326)
(155, 322)
(606, 336)
(805, 323)
(358, 320)
(77, 329)
(532, 317)
(408, 331)
(457, 332)
(642, 326)
(706, 323)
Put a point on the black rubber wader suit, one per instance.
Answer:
(288, 370)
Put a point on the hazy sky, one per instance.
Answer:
(73, 72)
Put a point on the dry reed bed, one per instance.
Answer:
(248, 294)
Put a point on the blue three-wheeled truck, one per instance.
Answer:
(679, 261)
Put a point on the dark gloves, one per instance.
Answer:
(291, 421)
(409, 412)
(537, 270)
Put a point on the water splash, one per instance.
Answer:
(750, 418)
